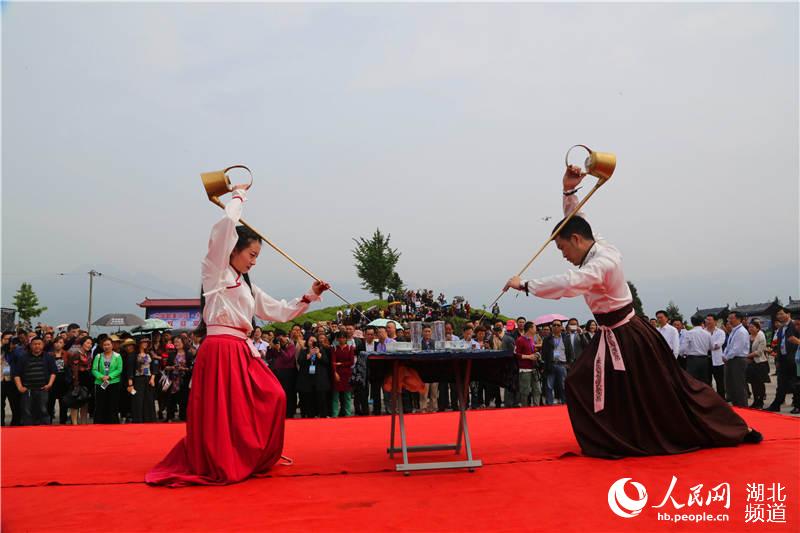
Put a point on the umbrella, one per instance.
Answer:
(546, 319)
(118, 319)
(151, 324)
(381, 323)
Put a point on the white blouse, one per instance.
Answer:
(599, 279)
(759, 347)
(229, 301)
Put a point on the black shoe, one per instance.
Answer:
(757, 405)
(795, 411)
(753, 437)
(773, 408)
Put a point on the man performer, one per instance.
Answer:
(627, 394)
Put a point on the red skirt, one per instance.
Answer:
(236, 417)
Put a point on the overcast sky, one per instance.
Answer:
(444, 125)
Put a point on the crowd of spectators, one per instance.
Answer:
(323, 367)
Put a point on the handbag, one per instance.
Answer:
(164, 382)
(76, 397)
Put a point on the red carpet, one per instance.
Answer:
(89, 478)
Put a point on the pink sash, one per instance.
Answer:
(607, 335)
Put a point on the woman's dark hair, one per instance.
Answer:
(82, 340)
(246, 237)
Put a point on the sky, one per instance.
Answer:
(444, 125)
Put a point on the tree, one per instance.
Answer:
(27, 304)
(637, 303)
(375, 262)
(395, 285)
(673, 312)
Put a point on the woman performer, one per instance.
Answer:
(237, 408)
(636, 401)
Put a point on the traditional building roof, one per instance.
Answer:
(719, 312)
(768, 308)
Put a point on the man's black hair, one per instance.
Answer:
(696, 320)
(576, 226)
(662, 312)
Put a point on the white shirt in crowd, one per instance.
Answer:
(717, 340)
(672, 337)
(229, 301)
(738, 343)
(696, 341)
(600, 279)
(261, 346)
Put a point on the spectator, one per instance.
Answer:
(9, 388)
(127, 349)
(696, 344)
(260, 343)
(81, 381)
(758, 369)
(359, 383)
(788, 341)
(142, 369)
(342, 361)
(60, 384)
(589, 332)
(520, 323)
(34, 374)
(283, 361)
(557, 355)
(717, 362)
(179, 365)
(429, 398)
(669, 333)
(106, 369)
(314, 380)
(391, 330)
(528, 360)
(654, 323)
(73, 334)
(575, 338)
(736, 351)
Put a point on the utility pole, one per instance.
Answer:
(92, 274)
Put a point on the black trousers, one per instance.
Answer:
(718, 373)
(178, 401)
(786, 385)
(10, 393)
(493, 394)
(448, 396)
(698, 366)
(314, 403)
(34, 408)
(376, 392)
(57, 393)
(288, 379)
(361, 400)
(143, 403)
(106, 404)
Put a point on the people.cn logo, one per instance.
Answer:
(621, 504)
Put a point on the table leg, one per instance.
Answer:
(403, 442)
(459, 388)
(395, 379)
(467, 443)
